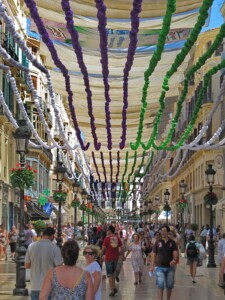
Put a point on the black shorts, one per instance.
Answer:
(12, 247)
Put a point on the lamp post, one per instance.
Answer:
(166, 207)
(60, 170)
(84, 196)
(182, 186)
(157, 204)
(149, 208)
(22, 136)
(210, 173)
(89, 205)
(75, 185)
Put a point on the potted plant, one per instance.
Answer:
(210, 198)
(75, 203)
(22, 178)
(60, 196)
(39, 226)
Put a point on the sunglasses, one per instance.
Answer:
(89, 253)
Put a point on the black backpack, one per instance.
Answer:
(192, 250)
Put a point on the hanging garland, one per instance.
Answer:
(45, 37)
(124, 173)
(134, 163)
(201, 61)
(103, 166)
(137, 7)
(111, 166)
(118, 165)
(102, 22)
(78, 50)
(156, 57)
(19, 40)
(198, 103)
(96, 166)
(203, 14)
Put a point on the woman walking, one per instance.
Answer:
(13, 237)
(91, 253)
(137, 259)
(68, 281)
(192, 252)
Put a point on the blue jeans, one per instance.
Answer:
(110, 268)
(35, 295)
(165, 276)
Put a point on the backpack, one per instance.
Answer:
(192, 250)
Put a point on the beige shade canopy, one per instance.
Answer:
(118, 24)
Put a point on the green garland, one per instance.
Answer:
(156, 57)
(193, 69)
(124, 173)
(203, 14)
(198, 104)
(22, 178)
(134, 163)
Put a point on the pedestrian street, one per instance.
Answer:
(206, 287)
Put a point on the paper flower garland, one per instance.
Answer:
(171, 7)
(102, 19)
(77, 48)
(178, 61)
(45, 37)
(137, 4)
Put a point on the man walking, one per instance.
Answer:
(164, 257)
(112, 248)
(42, 256)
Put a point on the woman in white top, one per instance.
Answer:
(91, 253)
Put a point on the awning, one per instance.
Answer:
(163, 215)
(34, 212)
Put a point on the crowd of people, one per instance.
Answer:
(55, 275)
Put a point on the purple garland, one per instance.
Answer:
(137, 6)
(96, 167)
(111, 166)
(118, 165)
(103, 166)
(78, 50)
(102, 21)
(45, 37)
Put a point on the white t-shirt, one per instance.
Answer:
(92, 268)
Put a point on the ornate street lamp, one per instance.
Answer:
(182, 204)
(84, 197)
(89, 207)
(60, 170)
(22, 135)
(75, 202)
(211, 199)
(166, 207)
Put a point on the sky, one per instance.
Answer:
(216, 19)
